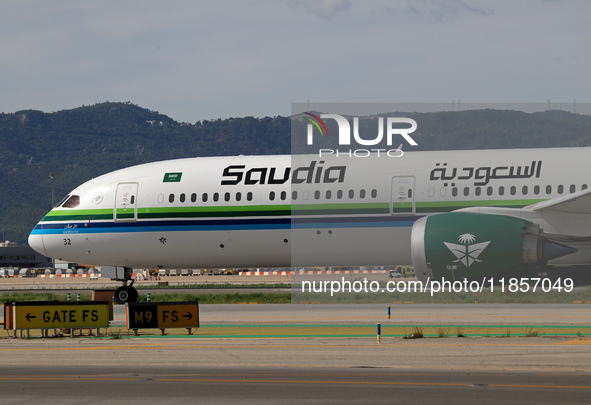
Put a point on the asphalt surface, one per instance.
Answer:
(264, 385)
(327, 369)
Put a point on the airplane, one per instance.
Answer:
(455, 214)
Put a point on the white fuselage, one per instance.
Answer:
(300, 210)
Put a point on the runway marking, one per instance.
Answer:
(576, 342)
(195, 345)
(78, 378)
(399, 383)
(294, 381)
(406, 316)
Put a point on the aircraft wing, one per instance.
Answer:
(575, 203)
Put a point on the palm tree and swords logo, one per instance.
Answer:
(467, 253)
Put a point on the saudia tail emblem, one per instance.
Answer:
(467, 253)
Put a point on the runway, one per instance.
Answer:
(216, 367)
(252, 385)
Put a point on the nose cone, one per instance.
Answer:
(36, 240)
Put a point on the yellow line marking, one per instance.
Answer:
(370, 383)
(78, 378)
(200, 345)
(294, 381)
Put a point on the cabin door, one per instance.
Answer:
(126, 202)
(402, 197)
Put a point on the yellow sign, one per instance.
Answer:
(163, 315)
(178, 316)
(48, 315)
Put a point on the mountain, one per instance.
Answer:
(88, 141)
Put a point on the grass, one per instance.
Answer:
(531, 333)
(41, 296)
(177, 295)
(203, 298)
(229, 298)
(416, 334)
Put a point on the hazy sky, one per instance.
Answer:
(194, 60)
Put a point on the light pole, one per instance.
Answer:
(53, 175)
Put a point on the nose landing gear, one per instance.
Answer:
(125, 293)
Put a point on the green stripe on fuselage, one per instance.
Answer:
(375, 208)
(448, 206)
(78, 215)
(209, 212)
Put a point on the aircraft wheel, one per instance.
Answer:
(126, 294)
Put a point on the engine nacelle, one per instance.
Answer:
(460, 245)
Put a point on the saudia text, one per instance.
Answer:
(315, 173)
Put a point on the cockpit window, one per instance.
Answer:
(72, 202)
(63, 200)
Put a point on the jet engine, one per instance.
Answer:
(460, 245)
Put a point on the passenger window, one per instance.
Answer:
(132, 200)
(489, 190)
(374, 193)
(328, 194)
(362, 194)
(466, 191)
(283, 195)
(573, 188)
(340, 194)
(294, 195)
(216, 197)
(72, 202)
(171, 198)
(560, 189)
(548, 189)
(181, 197)
(316, 195)
(193, 197)
(536, 190)
(351, 194)
(524, 190)
(513, 190)
(584, 187)
(409, 193)
(501, 190)
(249, 196)
(477, 191)
(454, 191)
(238, 196)
(227, 197)
(204, 197)
(272, 195)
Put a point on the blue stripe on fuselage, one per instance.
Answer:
(223, 225)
